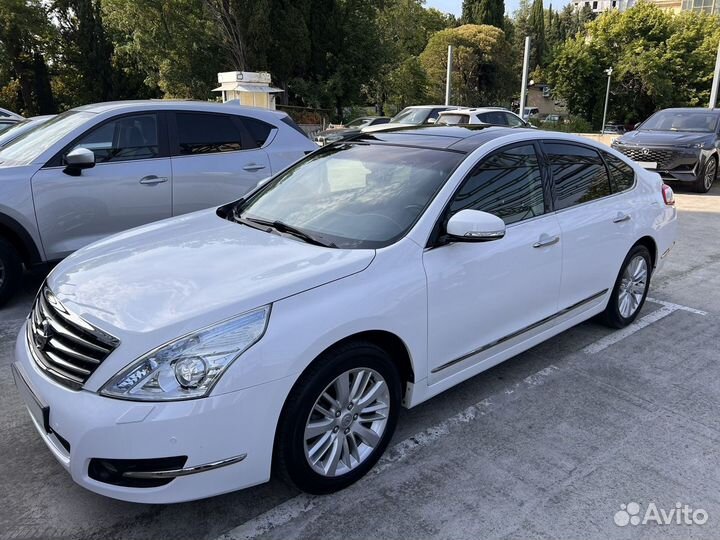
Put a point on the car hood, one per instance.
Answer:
(191, 271)
(338, 131)
(659, 138)
(385, 127)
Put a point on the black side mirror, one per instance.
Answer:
(78, 159)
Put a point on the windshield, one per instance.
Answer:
(28, 146)
(452, 119)
(359, 122)
(694, 121)
(18, 129)
(410, 115)
(353, 196)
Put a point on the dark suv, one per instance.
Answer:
(679, 144)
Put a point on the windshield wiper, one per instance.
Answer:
(287, 229)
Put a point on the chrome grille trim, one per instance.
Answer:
(663, 157)
(66, 347)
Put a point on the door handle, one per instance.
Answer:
(546, 241)
(151, 180)
(253, 167)
(620, 218)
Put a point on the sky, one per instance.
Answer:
(455, 6)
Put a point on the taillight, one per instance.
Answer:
(668, 195)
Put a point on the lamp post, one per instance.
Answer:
(608, 72)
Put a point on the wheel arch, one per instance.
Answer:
(651, 245)
(20, 239)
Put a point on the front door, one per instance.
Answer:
(130, 185)
(482, 294)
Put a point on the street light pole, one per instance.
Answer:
(523, 89)
(608, 72)
(448, 77)
(716, 76)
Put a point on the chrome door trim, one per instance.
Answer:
(520, 332)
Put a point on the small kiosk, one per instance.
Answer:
(248, 87)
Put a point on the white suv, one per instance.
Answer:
(189, 358)
(101, 169)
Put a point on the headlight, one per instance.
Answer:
(189, 367)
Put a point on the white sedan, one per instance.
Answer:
(284, 331)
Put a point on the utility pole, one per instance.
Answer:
(716, 76)
(608, 72)
(523, 90)
(448, 76)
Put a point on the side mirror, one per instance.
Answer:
(475, 226)
(78, 159)
(431, 120)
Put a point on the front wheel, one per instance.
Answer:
(707, 176)
(338, 418)
(631, 288)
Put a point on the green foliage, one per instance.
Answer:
(659, 60)
(490, 12)
(536, 23)
(480, 68)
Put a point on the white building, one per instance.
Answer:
(598, 6)
(248, 87)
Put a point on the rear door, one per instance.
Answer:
(597, 226)
(129, 186)
(216, 158)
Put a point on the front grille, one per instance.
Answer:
(663, 157)
(66, 347)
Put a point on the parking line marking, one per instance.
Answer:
(676, 306)
(302, 503)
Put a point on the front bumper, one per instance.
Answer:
(674, 164)
(213, 432)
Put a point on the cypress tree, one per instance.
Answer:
(537, 31)
(490, 12)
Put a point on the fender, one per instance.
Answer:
(29, 250)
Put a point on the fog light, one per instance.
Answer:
(190, 372)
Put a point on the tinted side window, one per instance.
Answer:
(124, 139)
(512, 120)
(622, 176)
(259, 131)
(200, 133)
(579, 174)
(507, 184)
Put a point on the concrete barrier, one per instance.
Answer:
(605, 139)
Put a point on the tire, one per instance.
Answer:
(10, 271)
(707, 176)
(631, 288)
(332, 434)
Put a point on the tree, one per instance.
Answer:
(659, 60)
(481, 74)
(408, 83)
(490, 12)
(165, 47)
(25, 35)
(536, 23)
(86, 53)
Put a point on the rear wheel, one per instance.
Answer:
(10, 271)
(338, 418)
(707, 176)
(631, 288)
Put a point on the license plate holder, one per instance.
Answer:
(648, 164)
(38, 409)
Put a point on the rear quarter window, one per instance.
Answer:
(622, 175)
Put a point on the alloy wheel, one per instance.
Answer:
(347, 422)
(709, 177)
(632, 286)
